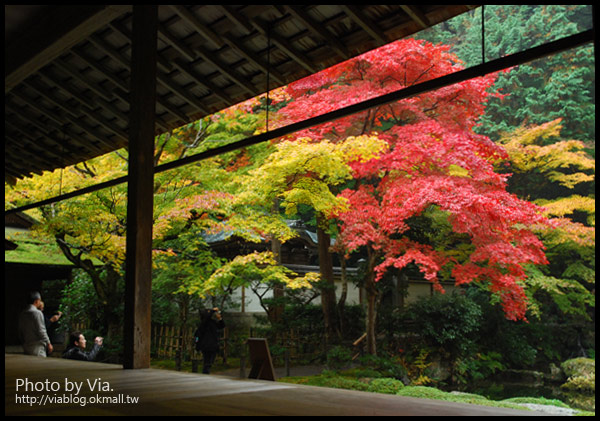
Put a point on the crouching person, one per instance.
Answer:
(76, 348)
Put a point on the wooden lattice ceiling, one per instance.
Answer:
(67, 67)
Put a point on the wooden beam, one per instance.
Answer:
(284, 45)
(176, 43)
(237, 19)
(227, 71)
(138, 262)
(71, 114)
(253, 58)
(83, 99)
(502, 63)
(33, 145)
(120, 58)
(198, 26)
(62, 28)
(416, 15)
(58, 118)
(184, 67)
(46, 126)
(87, 82)
(355, 14)
(319, 29)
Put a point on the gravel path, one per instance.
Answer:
(549, 409)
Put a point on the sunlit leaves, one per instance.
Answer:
(304, 172)
(261, 268)
(568, 294)
(92, 226)
(564, 162)
(558, 167)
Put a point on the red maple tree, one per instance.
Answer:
(434, 160)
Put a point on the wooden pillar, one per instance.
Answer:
(138, 264)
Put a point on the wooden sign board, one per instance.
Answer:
(260, 359)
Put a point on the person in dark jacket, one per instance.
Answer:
(76, 348)
(207, 336)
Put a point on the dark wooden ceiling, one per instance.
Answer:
(67, 67)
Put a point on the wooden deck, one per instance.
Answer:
(162, 392)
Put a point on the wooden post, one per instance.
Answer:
(138, 264)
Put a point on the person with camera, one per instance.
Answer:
(76, 348)
(207, 336)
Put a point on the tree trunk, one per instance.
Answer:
(342, 301)
(372, 303)
(184, 311)
(105, 286)
(328, 289)
(277, 309)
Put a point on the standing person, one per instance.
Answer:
(32, 328)
(76, 348)
(207, 336)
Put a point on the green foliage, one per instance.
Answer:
(32, 250)
(79, 302)
(252, 269)
(242, 193)
(562, 85)
(329, 379)
(395, 387)
(570, 296)
(185, 265)
(581, 384)
(338, 357)
(385, 385)
(582, 375)
(448, 321)
(579, 366)
(366, 373)
(496, 334)
(424, 392)
(385, 366)
(538, 401)
(478, 367)
(470, 398)
(306, 173)
(342, 383)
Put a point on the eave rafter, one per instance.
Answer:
(69, 94)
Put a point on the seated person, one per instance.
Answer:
(76, 348)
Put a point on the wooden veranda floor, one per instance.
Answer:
(161, 392)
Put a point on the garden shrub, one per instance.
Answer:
(367, 372)
(338, 357)
(538, 401)
(423, 392)
(426, 392)
(385, 366)
(579, 367)
(478, 366)
(385, 385)
(338, 382)
(581, 373)
(448, 321)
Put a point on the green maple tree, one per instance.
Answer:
(559, 175)
(303, 172)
